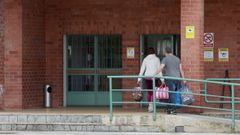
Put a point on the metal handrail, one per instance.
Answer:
(233, 110)
(220, 80)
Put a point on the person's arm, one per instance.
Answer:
(142, 70)
(181, 71)
(160, 71)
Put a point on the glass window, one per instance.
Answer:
(80, 83)
(110, 52)
(80, 51)
(104, 83)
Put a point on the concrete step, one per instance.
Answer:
(48, 119)
(76, 127)
(98, 133)
(130, 122)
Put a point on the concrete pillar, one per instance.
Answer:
(1, 52)
(192, 14)
(13, 54)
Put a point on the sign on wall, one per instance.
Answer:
(208, 40)
(223, 54)
(208, 54)
(130, 53)
(190, 32)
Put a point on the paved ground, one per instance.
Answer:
(102, 133)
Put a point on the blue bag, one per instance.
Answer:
(176, 99)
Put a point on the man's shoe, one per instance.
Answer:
(174, 112)
(168, 111)
(171, 111)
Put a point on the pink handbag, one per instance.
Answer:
(162, 92)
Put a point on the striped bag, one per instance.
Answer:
(162, 92)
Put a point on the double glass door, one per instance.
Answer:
(89, 60)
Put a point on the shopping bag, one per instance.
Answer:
(162, 92)
(178, 98)
(137, 94)
(186, 95)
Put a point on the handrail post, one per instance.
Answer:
(233, 108)
(110, 98)
(205, 91)
(154, 98)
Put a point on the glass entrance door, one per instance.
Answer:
(89, 60)
(159, 43)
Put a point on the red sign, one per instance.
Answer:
(208, 40)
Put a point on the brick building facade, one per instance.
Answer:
(32, 39)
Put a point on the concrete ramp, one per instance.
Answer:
(181, 122)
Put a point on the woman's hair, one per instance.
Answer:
(150, 51)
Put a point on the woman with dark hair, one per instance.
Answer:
(150, 66)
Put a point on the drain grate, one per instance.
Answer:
(179, 129)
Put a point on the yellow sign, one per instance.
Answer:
(208, 54)
(190, 32)
(223, 54)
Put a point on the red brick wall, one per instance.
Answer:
(1, 50)
(130, 18)
(54, 50)
(192, 14)
(33, 52)
(13, 54)
(1, 41)
(24, 53)
(225, 24)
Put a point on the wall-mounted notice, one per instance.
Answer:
(190, 32)
(208, 40)
(130, 53)
(223, 54)
(208, 54)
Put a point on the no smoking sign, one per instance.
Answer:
(208, 40)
